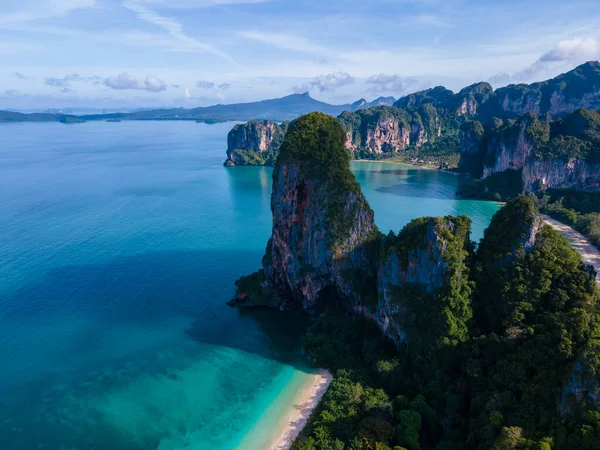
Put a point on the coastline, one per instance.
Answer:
(589, 253)
(307, 400)
(285, 418)
(416, 166)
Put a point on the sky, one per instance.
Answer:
(117, 54)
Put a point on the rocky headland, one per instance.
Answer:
(428, 289)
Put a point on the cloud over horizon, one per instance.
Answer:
(126, 81)
(248, 50)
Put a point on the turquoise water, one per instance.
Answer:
(119, 247)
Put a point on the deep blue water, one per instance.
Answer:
(119, 246)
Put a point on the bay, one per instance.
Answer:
(119, 246)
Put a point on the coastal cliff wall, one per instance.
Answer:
(416, 271)
(553, 155)
(325, 247)
(247, 144)
(514, 316)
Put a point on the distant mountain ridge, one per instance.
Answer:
(278, 109)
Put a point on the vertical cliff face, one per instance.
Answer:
(387, 136)
(471, 137)
(471, 98)
(509, 149)
(419, 270)
(385, 129)
(582, 391)
(323, 227)
(253, 139)
(519, 100)
(573, 173)
(528, 145)
(418, 134)
(325, 248)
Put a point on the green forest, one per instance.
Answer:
(522, 375)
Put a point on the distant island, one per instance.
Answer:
(279, 109)
(434, 342)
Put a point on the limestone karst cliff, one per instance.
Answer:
(254, 143)
(548, 155)
(509, 324)
(446, 128)
(325, 247)
(422, 281)
(387, 130)
(323, 228)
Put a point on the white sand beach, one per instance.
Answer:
(286, 416)
(306, 402)
(579, 242)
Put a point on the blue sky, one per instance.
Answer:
(142, 53)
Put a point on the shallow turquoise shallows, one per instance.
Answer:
(119, 247)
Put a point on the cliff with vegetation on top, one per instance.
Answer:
(549, 155)
(255, 143)
(444, 128)
(494, 347)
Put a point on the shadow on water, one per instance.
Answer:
(78, 378)
(150, 288)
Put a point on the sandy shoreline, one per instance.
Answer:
(579, 242)
(303, 407)
(416, 166)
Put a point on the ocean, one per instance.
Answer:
(119, 247)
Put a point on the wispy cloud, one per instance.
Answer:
(396, 84)
(578, 49)
(126, 81)
(65, 82)
(45, 9)
(325, 83)
(20, 76)
(285, 41)
(205, 84)
(173, 28)
(194, 4)
(567, 52)
(211, 85)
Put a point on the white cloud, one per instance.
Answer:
(392, 84)
(44, 9)
(173, 28)
(285, 41)
(301, 88)
(125, 81)
(565, 54)
(205, 84)
(325, 83)
(500, 79)
(66, 81)
(209, 85)
(578, 49)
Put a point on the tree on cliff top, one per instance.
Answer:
(316, 143)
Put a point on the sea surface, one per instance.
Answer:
(119, 247)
